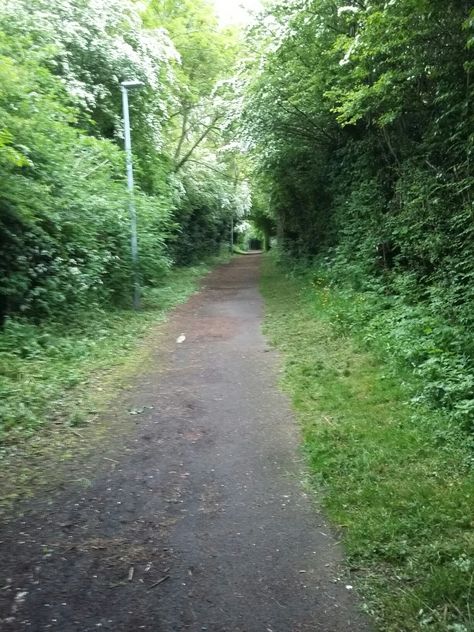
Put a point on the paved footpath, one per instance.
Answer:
(192, 514)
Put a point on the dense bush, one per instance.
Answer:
(361, 124)
(64, 223)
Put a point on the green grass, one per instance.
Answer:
(56, 372)
(395, 483)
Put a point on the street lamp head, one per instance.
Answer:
(132, 83)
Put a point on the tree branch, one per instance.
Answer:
(184, 131)
(206, 131)
(219, 171)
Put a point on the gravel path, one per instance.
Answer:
(192, 515)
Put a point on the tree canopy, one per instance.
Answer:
(360, 122)
(63, 223)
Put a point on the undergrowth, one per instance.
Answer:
(47, 370)
(396, 475)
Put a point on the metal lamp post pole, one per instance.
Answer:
(131, 202)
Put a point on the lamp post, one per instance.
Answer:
(126, 86)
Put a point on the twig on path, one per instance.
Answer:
(160, 581)
(131, 573)
(78, 434)
(277, 602)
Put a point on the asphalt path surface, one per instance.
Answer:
(193, 513)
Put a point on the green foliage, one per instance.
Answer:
(64, 225)
(397, 477)
(203, 217)
(360, 122)
(202, 87)
(91, 47)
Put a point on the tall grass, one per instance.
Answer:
(395, 477)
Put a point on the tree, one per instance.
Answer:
(64, 225)
(207, 57)
(359, 117)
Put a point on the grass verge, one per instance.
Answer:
(53, 372)
(399, 488)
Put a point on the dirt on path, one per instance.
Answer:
(192, 515)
